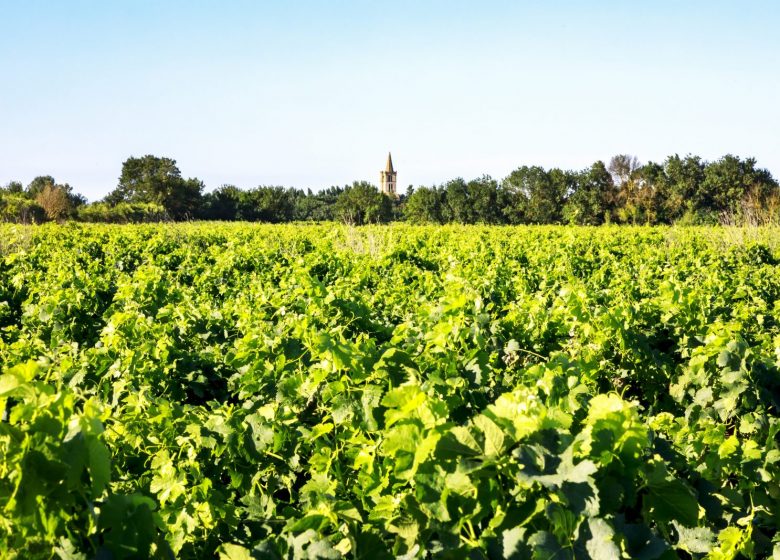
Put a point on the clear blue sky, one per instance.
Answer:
(311, 94)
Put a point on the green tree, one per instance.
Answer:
(456, 206)
(730, 180)
(309, 206)
(483, 200)
(184, 200)
(157, 180)
(222, 203)
(640, 198)
(13, 187)
(533, 195)
(424, 206)
(37, 185)
(43, 182)
(19, 208)
(681, 186)
(362, 203)
(267, 204)
(549, 208)
(593, 198)
(320, 206)
(625, 169)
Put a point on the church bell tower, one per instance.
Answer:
(387, 178)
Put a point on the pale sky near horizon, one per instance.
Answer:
(312, 94)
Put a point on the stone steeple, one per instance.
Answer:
(387, 178)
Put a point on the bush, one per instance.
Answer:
(19, 209)
(122, 213)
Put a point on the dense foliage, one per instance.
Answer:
(446, 392)
(681, 190)
(685, 190)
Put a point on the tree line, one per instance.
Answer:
(685, 190)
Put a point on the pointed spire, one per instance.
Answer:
(389, 168)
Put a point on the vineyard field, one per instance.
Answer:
(236, 391)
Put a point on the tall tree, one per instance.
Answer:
(533, 195)
(562, 184)
(157, 180)
(13, 187)
(222, 203)
(622, 167)
(682, 187)
(730, 180)
(38, 184)
(456, 206)
(424, 206)
(55, 202)
(593, 198)
(483, 200)
(268, 204)
(321, 206)
(641, 196)
(362, 203)
(43, 182)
